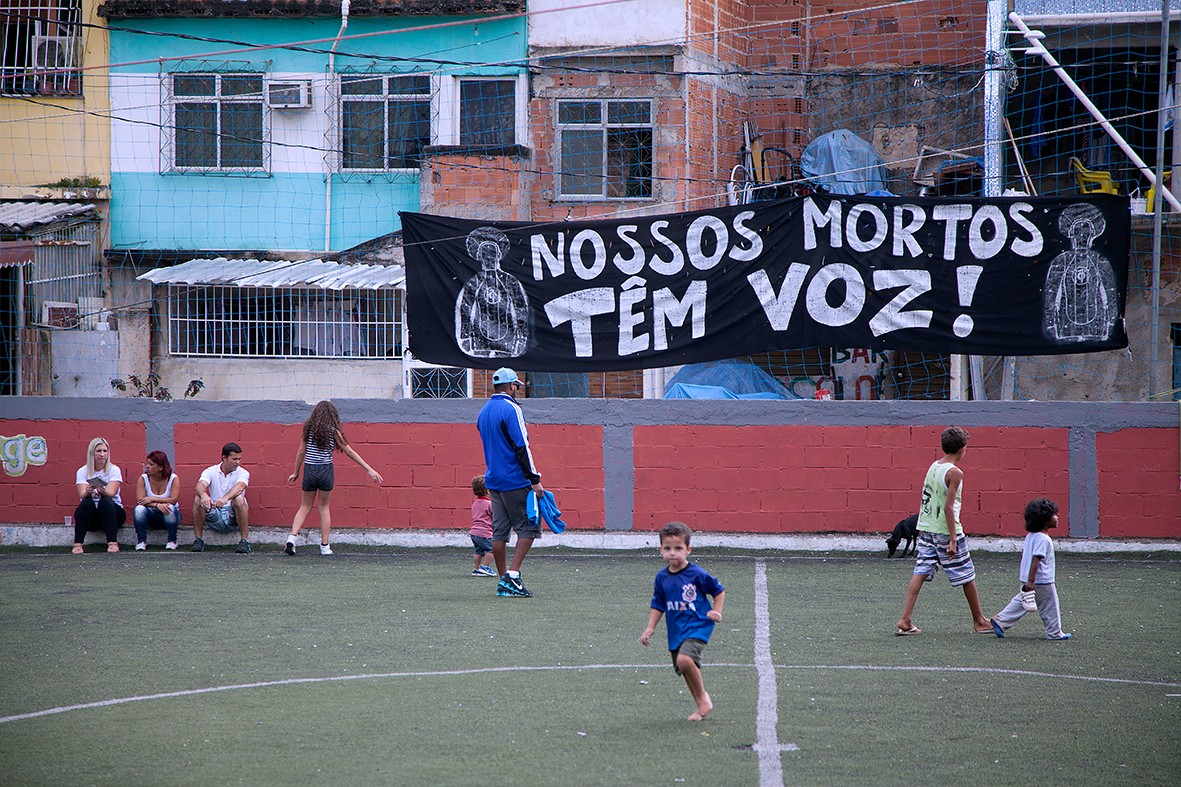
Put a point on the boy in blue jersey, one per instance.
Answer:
(680, 594)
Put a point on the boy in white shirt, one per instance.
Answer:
(221, 499)
(1036, 574)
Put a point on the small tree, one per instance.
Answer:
(150, 388)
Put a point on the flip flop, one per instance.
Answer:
(901, 632)
(77, 550)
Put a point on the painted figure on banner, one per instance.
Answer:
(491, 312)
(1081, 292)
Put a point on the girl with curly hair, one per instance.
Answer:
(321, 435)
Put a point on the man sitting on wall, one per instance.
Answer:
(221, 499)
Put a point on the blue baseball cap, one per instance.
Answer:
(504, 375)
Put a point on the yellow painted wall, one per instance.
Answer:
(44, 139)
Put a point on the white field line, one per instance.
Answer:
(543, 668)
(767, 709)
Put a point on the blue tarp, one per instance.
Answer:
(844, 163)
(686, 391)
(728, 379)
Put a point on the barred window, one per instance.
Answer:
(218, 121)
(385, 120)
(606, 149)
(487, 113)
(42, 47)
(439, 382)
(269, 322)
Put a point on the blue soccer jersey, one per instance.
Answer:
(682, 599)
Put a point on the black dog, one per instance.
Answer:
(906, 530)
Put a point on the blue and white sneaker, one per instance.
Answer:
(512, 586)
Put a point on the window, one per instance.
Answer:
(439, 382)
(487, 113)
(42, 47)
(606, 149)
(1175, 333)
(219, 122)
(263, 322)
(386, 121)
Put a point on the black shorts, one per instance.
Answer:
(318, 478)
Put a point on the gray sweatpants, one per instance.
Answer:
(1047, 607)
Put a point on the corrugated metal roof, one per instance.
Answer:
(23, 216)
(318, 274)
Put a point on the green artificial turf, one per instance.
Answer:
(440, 682)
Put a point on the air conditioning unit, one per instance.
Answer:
(289, 94)
(50, 53)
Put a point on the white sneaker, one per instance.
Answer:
(170, 545)
(1029, 600)
(325, 549)
(289, 547)
(141, 546)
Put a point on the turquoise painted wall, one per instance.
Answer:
(450, 48)
(284, 211)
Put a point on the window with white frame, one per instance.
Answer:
(42, 47)
(605, 149)
(265, 322)
(219, 122)
(487, 113)
(385, 120)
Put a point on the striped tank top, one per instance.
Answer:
(315, 455)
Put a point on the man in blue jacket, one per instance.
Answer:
(510, 478)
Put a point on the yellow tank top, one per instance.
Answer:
(931, 516)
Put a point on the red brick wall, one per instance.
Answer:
(766, 479)
(856, 33)
(427, 471)
(836, 478)
(1138, 483)
(46, 493)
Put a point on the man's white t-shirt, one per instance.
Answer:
(219, 483)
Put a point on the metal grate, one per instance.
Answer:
(42, 47)
(251, 322)
(218, 120)
(67, 268)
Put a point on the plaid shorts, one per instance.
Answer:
(221, 520)
(932, 554)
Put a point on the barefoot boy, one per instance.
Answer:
(941, 536)
(680, 592)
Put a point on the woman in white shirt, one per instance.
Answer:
(156, 496)
(99, 504)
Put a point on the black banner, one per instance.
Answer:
(1009, 276)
